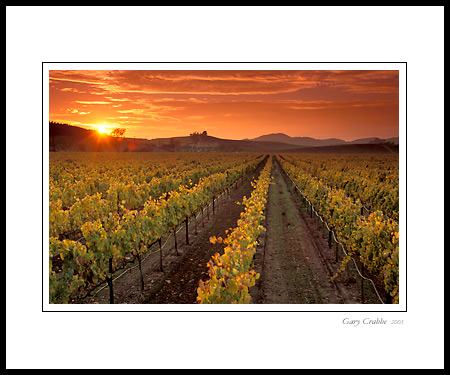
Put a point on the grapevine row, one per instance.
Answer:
(374, 181)
(375, 239)
(75, 176)
(131, 196)
(231, 274)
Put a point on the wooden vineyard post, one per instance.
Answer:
(160, 256)
(195, 218)
(303, 203)
(140, 271)
(362, 284)
(187, 231)
(213, 205)
(175, 237)
(388, 298)
(110, 282)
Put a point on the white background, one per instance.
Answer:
(36, 339)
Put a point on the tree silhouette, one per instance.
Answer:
(118, 134)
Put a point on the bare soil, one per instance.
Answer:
(294, 258)
(295, 267)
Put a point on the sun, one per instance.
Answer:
(102, 129)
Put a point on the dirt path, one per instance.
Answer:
(178, 282)
(295, 262)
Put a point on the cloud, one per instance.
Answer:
(91, 102)
(70, 89)
(119, 99)
(320, 105)
(135, 111)
(193, 118)
(221, 83)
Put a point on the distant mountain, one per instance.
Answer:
(299, 141)
(275, 137)
(313, 142)
(394, 140)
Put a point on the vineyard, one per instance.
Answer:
(112, 212)
(339, 190)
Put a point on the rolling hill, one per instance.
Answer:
(63, 137)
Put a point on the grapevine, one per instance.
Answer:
(231, 274)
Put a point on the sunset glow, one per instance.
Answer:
(231, 104)
(102, 129)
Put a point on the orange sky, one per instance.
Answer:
(232, 104)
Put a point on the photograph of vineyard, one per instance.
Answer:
(224, 187)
